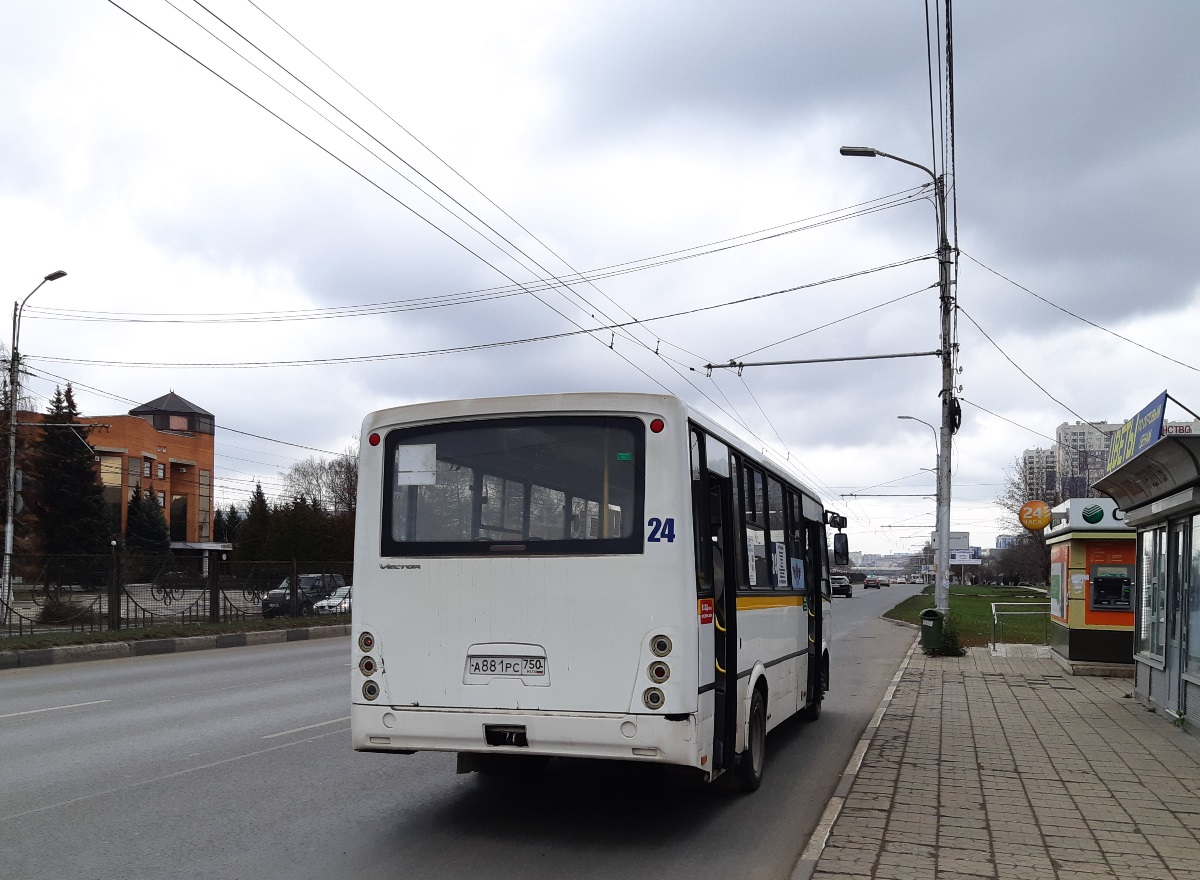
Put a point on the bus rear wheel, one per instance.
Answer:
(750, 769)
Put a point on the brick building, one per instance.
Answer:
(165, 446)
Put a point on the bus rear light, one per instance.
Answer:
(657, 425)
(373, 439)
(660, 645)
(653, 698)
(366, 641)
(367, 666)
(371, 691)
(659, 672)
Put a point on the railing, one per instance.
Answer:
(996, 615)
(122, 591)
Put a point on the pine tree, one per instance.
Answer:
(254, 531)
(146, 529)
(71, 511)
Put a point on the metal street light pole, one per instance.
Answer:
(14, 385)
(950, 410)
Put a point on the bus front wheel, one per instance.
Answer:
(752, 760)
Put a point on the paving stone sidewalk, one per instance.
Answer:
(1006, 767)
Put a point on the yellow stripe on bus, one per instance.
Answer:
(745, 603)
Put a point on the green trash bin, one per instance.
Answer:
(931, 629)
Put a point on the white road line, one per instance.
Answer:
(177, 773)
(307, 727)
(55, 708)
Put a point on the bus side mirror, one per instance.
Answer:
(841, 549)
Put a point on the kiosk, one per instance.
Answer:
(1093, 556)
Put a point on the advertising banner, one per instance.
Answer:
(1142, 431)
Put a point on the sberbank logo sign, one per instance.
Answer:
(1092, 514)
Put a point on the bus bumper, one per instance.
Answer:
(619, 736)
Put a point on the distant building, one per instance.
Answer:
(165, 446)
(1003, 542)
(1039, 473)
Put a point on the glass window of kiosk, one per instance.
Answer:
(1193, 609)
(1152, 609)
(1112, 587)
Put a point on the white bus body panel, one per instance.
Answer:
(592, 623)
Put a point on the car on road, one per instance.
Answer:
(885, 581)
(839, 585)
(872, 581)
(310, 589)
(338, 603)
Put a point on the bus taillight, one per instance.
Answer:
(367, 666)
(657, 425)
(660, 645)
(366, 641)
(659, 672)
(371, 690)
(653, 698)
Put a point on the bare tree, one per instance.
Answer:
(1029, 559)
(329, 482)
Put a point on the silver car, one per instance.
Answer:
(338, 603)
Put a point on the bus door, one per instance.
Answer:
(716, 557)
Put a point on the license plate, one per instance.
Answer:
(506, 665)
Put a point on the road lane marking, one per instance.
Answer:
(55, 708)
(165, 776)
(307, 727)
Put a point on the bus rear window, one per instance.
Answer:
(552, 485)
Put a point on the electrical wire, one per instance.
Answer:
(354, 359)
(1020, 370)
(1090, 323)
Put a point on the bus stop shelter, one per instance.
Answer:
(1159, 491)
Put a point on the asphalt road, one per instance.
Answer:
(236, 764)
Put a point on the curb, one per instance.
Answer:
(147, 647)
(807, 863)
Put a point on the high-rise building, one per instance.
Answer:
(1039, 473)
(1082, 456)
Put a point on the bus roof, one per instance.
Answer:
(581, 402)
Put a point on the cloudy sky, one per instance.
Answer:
(256, 238)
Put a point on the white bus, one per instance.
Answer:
(600, 575)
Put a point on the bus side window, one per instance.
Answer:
(777, 536)
(702, 533)
(798, 564)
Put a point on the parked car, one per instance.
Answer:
(310, 590)
(338, 603)
(839, 585)
(872, 581)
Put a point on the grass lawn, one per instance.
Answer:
(971, 608)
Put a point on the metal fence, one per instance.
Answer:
(998, 617)
(52, 594)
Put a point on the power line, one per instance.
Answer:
(1090, 323)
(355, 359)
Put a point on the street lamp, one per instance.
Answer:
(14, 384)
(950, 407)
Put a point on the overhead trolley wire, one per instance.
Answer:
(475, 347)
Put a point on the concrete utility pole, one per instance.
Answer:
(14, 386)
(950, 406)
